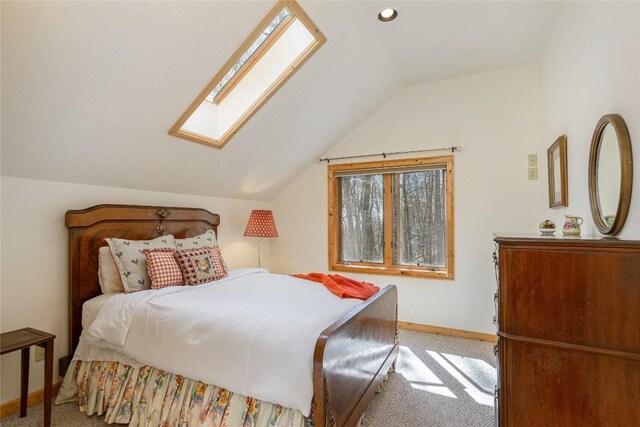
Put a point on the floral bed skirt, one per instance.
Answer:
(150, 397)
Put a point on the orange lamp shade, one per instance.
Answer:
(261, 224)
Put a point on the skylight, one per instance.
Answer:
(275, 50)
(245, 57)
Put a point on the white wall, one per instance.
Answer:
(34, 255)
(591, 67)
(495, 118)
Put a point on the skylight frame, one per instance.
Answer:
(248, 63)
(295, 12)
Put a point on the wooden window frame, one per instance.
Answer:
(296, 13)
(388, 267)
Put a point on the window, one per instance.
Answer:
(392, 217)
(275, 50)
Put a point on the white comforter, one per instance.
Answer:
(252, 333)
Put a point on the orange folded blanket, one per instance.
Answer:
(341, 286)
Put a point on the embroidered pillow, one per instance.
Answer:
(131, 261)
(205, 239)
(163, 268)
(108, 275)
(201, 265)
(201, 241)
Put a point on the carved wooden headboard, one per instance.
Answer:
(89, 227)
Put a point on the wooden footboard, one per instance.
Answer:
(352, 358)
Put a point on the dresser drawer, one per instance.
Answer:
(578, 297)
(553, 386)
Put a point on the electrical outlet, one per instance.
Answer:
(39, 354)
(533, 174)
(533, 160)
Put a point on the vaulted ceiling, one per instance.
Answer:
(89, 89)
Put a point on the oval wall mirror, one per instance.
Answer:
(610, 174)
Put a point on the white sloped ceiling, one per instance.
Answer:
(89, 89)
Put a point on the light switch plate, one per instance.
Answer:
(533, 160)
(533, 174)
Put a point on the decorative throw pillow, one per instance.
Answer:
(131, 262)
(201, 265)
(201, 241)
(163, 268)
(108, 275)
(218, 263)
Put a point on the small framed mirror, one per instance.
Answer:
(557, 170)
(610, 174)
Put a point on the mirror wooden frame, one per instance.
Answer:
(559, 145)
(626, 174)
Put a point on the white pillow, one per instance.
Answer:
(108, 275)
(203, 240)
(132, 262)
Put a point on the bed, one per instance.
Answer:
(351, 357)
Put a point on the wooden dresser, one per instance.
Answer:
(568, 318)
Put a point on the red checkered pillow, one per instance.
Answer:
(201, 265)
(218, 263)
(163, 268)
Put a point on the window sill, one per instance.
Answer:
(394, 271)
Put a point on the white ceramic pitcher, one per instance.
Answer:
(572, 225)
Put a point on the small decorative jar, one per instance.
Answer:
(547, 227)
(572, 225)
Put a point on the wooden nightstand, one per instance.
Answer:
(23, 339)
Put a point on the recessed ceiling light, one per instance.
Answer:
(388, 14)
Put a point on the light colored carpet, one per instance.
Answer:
(440, 381)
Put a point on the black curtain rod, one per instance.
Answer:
(453, 149)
